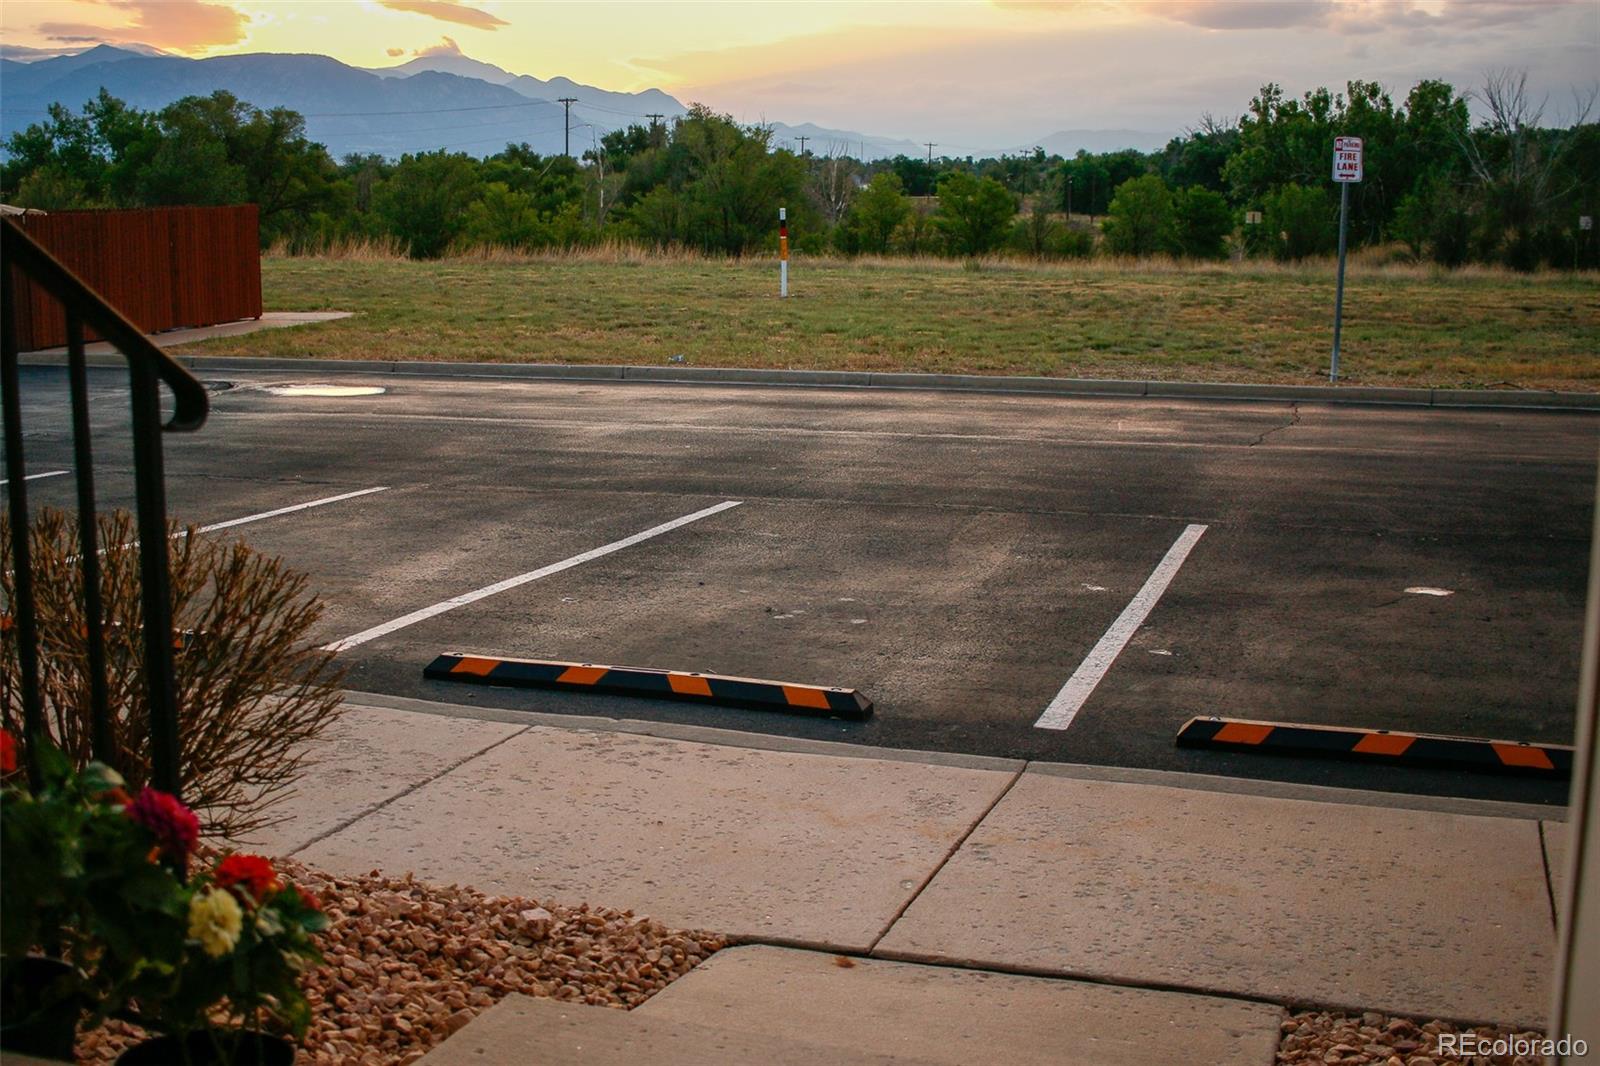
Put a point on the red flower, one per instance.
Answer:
(310, 901)
(174, 826)
(8, 753)
(251, 873)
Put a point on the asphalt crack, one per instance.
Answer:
(1294, 420)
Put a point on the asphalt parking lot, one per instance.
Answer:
(958, 557)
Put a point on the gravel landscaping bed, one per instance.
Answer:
(1384, 1040)
(410, 963)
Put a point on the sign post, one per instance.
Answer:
(783, 252)
(1346, 170)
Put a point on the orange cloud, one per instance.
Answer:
(448, 11)
(182, 25)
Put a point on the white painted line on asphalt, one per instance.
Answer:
(36, 477)
(1425, 590)
(522, 579)
(213, 527)
(1076, 691)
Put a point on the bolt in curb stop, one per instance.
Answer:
(1379, 746)
(753, 693)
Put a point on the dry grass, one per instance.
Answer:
(1406, 324)
(358, 249)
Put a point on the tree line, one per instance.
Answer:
(1438, 185)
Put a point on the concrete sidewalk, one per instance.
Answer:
(1209, 902)
(188, 335)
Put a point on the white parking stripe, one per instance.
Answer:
(289, 510)
(36, 477)
(1076, 691)
(522, 579)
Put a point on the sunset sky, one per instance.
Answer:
(966, 73)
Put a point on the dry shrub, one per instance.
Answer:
(251, 689)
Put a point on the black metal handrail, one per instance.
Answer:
(148, 368)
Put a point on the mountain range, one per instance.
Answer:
(439, 100)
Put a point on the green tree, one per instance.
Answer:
(877, 212)
(424, 203)
(1197, 158)
(1139, 221)
(1300, 221)
(1202, 221)
(732, 185)
(918, 177)
(974, 212)
(503, 217)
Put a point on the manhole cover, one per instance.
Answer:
(325, 390)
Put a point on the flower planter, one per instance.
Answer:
(211, 1047)
(40, 1006)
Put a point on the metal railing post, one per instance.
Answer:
(23, 618)
(103, 744)
(155, 599)
(148, 369)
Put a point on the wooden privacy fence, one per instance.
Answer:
(162, 267)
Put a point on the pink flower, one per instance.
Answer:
(174, 826)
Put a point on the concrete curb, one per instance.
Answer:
(733, 738)
(1525, 399)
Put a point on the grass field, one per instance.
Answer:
(1246, 322)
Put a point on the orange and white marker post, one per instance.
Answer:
(783, 251)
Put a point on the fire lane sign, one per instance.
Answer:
(1346, 159)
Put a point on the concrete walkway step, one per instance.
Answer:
(950, 1017)
(523, 1031)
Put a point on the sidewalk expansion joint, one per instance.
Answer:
(945, 859)
(403, 793)
(1549, 879)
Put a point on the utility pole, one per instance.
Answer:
(568, 101)
(655, 120)
(803, 141)
(930, 145)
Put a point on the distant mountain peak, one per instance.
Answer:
(447, 59)
(100, 53)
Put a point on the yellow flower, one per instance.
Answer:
(215, 920)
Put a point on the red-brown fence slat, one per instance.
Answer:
(163, 267)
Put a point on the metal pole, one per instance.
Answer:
(783, 252)
(1338, 299)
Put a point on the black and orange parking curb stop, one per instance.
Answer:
(1379, 745)
(658, 684)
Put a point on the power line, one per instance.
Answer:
(931, 145)
(466, 126)
(802, 141)
(426, 111)
(612, 110)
